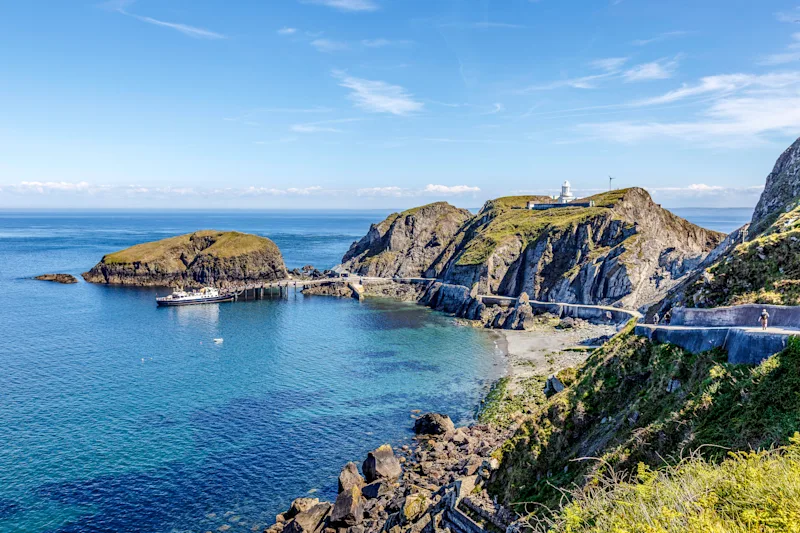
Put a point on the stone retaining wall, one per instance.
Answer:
(743, 346)
(739, 315)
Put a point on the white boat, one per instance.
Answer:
(206, 295)
(219, 341)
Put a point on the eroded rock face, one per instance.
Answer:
(203, 258)
(781, 191)
(381, 464)
(407, 244)
(626, 251)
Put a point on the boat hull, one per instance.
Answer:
(199, 301)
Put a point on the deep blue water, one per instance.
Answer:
(117, 416)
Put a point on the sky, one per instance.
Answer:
(391, 103)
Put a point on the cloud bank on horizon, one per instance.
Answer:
(389, 103)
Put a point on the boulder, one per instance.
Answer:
(381, 464)
(348, 509)
(414, 506)
(300, 505)
(376, 489)
(349, 478)
(310, 521)
(553, 385)
(434, 424)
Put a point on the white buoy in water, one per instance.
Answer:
(218, 341)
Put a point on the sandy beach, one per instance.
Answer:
(545, 350)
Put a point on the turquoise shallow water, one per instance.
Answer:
(116, 415)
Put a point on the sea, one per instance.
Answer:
(118, 416)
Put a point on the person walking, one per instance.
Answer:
(764, 319)
(667, 317)
(655, 318)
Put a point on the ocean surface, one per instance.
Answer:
(118, 416)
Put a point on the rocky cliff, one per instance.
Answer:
(762, 266)
(625, 250)
(781, 192)
(202, 258)
(406, 244)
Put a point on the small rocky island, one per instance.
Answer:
(203, 258)
(58, 278)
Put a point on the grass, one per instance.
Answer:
(764, 270)
(208, 242)
(747, 492)
(506, 223)
(501, 405)
(618, 410)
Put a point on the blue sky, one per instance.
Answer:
(391, 103)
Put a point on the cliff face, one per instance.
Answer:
(406, 244)
(781, 191)
(625, 249)
(203, 258)
(762, 265)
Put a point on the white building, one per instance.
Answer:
(566, 194)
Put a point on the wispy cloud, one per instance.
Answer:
(62, 187)
(792, 16)
(481, 25)
(724, 84)
(612, 68)
(581, 82)
(731, 121)
(379, 96)
(383, 43)
(658, 38)
(329, 46)
(347, 5)
(655, 70)
(609, 63)
(791, 55)
(429, 190)
(192, 31)
(497, 107)
(706, 195)
(45, 187)
(322, 126)
(287, 31)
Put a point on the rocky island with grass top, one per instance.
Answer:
(203, 258)
(623, 250)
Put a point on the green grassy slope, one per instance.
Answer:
(620, 412)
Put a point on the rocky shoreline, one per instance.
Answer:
(439, 483)
(425, 487)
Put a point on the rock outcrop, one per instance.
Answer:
(58, 278)
(202, 258)
(443, 473)
(759, 264)
(625, 250)
(781, 192)
(406, 244)
(434, 424)
(381, 464)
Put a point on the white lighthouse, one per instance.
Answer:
(566, 194)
